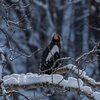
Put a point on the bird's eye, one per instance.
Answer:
(55, 37)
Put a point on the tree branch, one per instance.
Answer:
(81, 74)
(30, 81)
(2, 64)
(46, 7)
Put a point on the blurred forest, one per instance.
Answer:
(68, 19)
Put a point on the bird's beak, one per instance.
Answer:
(55, 37)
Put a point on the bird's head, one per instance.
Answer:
(56, 38)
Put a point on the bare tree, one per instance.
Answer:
(23, 35)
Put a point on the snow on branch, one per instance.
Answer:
(5, 93)
(30, 81)
(11, 24)
(2, 64)
(76, 61)
(78, 73)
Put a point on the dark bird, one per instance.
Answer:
(50, 55)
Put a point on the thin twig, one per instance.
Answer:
(93, 27)
(8, 92)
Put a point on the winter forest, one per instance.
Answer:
(26, 29)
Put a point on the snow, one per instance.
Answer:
(2, 61)
(31, 74)
(30, 78)
(96, 95)
(75, 69)
(9, 76)
(2, 57)
(91, 80)
(81, 73)
(86, 89)
(20, 38)
(72, 82)
(12, 79)
(52, 52)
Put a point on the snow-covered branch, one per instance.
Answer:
(78, 73)
(2, 87)
(90, 52)
(95, 49)
(2, 64)
(30, 81)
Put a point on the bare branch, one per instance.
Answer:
(8, 92)
(22, 54)
(8, 39)
(93, 27)
(2, 64)
(90, 52)
(14, 5)
(18, 23)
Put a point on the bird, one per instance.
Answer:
(51, 53)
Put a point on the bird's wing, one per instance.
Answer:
(45, 53)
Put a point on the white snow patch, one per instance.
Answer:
(92, 81)
(9, 76)
(72, 82)
(30, 78)
(11, 81)
(34, 78)
(96, 95)
(53, 51)
(86, 89)
(75, 69)
(80, 72)
(22, 79)
(31, 74)
(64, 83)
